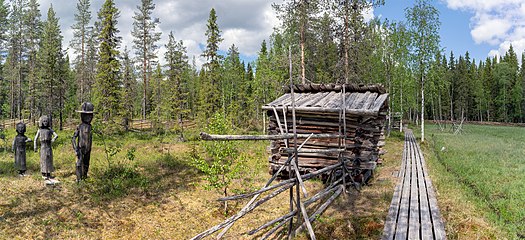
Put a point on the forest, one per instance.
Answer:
(321, 41)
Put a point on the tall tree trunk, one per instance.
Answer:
(345, 42)
(303, 40)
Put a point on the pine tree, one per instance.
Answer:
(210, 96)
(50, 58)
(325, 56)
(4, 27)
(15, 60)
(81, 35)
(353, 33)
(33, 33)
(107, 83)
(4, 24)
(157, 94)
(144, 43)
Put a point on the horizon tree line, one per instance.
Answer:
(329, 43)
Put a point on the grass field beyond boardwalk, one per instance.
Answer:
(487, 165)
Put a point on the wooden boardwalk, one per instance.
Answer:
(413, 213)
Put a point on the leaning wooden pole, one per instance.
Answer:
(212, 137)
(290, 226)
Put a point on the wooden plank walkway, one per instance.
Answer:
(413, 213)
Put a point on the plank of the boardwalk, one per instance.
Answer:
(391, 219)
(402, 223)
(413, 221)
(426, 223)
(437, 222)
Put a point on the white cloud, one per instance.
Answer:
(499, 23)
(244, 23)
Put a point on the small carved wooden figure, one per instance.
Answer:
(19, 148)
(82, 140)
(47, 136)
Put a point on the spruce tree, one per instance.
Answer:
(33, 32)
(79, 42)
(50, 58)
(144, 43)
(210, 95)
(107, 83)
(129, 89)
(232, 85)
(175, 101)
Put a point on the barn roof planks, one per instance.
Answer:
(319, 110)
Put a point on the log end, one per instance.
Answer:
(205, 136)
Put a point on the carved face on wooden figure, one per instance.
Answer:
(20, 128)
(44, 122)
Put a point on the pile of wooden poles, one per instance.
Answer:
(299, 196)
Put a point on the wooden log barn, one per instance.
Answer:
(358, 111)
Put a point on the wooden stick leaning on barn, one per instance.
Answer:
(282, 186)
(255, 195)
(307, 203)
(221, 234)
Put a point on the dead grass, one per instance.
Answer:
(172, 204)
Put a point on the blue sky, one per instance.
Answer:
(481, 27)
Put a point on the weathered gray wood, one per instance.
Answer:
(393, 212)
(307, 203)
(426, 223)
(423, 220)
(282, 183)
(402, 222)
(212, 137)
(241, 213)
(321, 208)
(413, 218)
(350, 111)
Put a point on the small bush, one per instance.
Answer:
(117, 181)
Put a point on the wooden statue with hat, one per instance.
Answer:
(82, 140)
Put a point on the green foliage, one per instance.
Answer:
(210, 76)
(108, 82)
(219, 160)
(116, 181)
(79, 42)
(144, 43)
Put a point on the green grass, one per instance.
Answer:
(488, 164)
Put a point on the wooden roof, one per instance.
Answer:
(359, 100)
(313, 88)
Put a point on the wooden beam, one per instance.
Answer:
(212, 137)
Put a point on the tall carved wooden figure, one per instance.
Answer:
(47, 136)
(19, 148)
(82, 140)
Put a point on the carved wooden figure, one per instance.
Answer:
(82, 140)
(19, 148)
(47, 136)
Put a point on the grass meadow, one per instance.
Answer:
(480, 178)
(145, 186)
